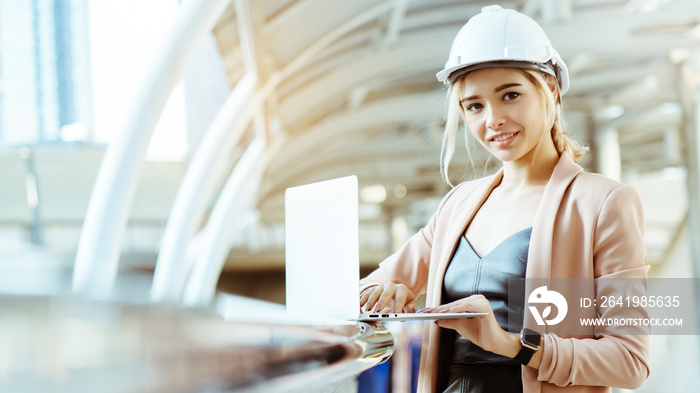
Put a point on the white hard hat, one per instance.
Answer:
(503, 38)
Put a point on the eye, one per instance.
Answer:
(510, 96)
(473, 107)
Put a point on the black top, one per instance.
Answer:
(469, 274)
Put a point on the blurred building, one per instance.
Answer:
(45, 71)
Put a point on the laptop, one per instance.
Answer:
(322, 254)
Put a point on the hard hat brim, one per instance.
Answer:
(450, 75)
(501, 64)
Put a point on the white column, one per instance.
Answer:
(608, 153)
(106, 219)
(694, 182)
(690, 96)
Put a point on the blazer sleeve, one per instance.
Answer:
(411, 263)
(612, 358)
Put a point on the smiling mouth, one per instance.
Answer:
(502, 137)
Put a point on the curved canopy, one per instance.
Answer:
(360, 96)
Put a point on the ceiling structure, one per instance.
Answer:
(356, 91)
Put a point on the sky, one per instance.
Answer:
(124, 36)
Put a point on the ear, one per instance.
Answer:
(553, 87)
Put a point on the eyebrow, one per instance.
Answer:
(496, 90)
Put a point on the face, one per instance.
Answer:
(505, 112)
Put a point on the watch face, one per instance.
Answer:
(531, 337)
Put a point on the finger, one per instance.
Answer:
(370, 298)
(410, 308)
(400, 299)
(383, 301)
(442, 308)
(365, 296)
(364, 300)
(474, 303)
(427, 310)
(389, 307)
(446, 323)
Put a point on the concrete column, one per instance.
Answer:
(689, 92)
(33, 197)
(608, 153)
(592, 136)
(690, 97)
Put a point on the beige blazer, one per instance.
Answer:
(587, 226)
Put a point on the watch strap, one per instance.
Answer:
(530, 341)
(524, 356)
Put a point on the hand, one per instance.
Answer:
(389, 297)
(483, 331)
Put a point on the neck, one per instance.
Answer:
(533, 169)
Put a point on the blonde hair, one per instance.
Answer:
(554, 120)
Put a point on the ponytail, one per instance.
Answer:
(561, 139)
(560, 135)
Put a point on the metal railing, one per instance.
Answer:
(57, 344)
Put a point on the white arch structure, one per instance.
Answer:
(98, 250)
(105, 221)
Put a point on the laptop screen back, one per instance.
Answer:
(322, 251)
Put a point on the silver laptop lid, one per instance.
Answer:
(322, 250)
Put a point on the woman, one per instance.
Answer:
(540, 216)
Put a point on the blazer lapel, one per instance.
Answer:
(539, 260)
(461, 218)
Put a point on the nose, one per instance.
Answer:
(496, 117)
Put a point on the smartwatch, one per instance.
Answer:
(530, 341)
